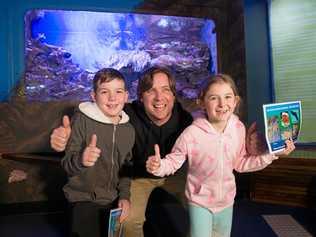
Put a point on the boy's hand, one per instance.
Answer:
(153, 162)
(125, 205)
(91, 152)
(289, 147)
(60, 135)
(255, 142)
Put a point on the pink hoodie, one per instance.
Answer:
(212, 157)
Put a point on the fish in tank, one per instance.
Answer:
(63, 50)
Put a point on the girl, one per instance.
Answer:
(215, 146)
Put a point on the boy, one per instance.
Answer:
(99, 148)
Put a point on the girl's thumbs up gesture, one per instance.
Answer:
(91, 152)
(153, 162)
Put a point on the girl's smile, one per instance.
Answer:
(220, 103)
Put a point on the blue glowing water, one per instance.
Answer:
(65, 49)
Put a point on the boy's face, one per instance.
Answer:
(159, 100)
(110, 98)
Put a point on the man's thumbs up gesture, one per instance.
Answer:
(153, 162)
(60, 135)
(91, 152)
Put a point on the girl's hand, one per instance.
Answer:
(289, 147)
(125, 205)
(255, 142)
(153, 162)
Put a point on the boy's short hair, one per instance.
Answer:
(145, 82)
(106, 75)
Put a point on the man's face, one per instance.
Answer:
(159, 100)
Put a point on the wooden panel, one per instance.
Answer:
(288, 181)
(26, 126)
(44, 179)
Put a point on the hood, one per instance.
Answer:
(139, 110)
(201, 121)
(91, 110)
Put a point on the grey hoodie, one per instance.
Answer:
(106, 180)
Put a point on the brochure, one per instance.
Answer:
(115, 227)
(282, 121)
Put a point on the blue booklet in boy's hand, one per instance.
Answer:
(115, 227)
(282, 121)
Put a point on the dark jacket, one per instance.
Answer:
(103, 182)
(148, 134)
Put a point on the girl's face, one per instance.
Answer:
(220, 103)
(110, 98)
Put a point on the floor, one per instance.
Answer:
(250, 219)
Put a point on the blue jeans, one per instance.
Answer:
(204, 223)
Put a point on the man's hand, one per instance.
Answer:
(125, 205)
(91, 153)
(153, 162)
(255, 142)
(60, 135)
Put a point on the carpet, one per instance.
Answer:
(286, 226)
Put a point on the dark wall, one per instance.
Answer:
(234, 62)
(257, 46)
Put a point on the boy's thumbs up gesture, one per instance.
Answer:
(91, 152)
(153, 162)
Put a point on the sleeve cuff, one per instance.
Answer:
(159, 172)
(268, 158)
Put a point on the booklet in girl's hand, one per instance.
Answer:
(115, 227)
(282, 121)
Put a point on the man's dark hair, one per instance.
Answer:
(145, 82)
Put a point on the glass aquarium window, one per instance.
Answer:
(63, 50)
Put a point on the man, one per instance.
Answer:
(158, 119)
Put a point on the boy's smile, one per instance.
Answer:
(110, 98)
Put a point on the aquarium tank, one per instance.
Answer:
(64, 49)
